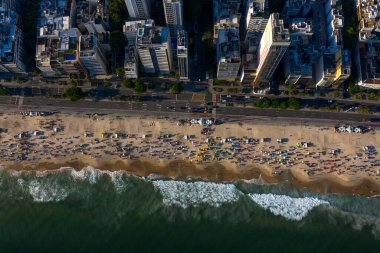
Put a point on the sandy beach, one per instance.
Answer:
(311, 156)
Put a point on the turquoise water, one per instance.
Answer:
(93, 211)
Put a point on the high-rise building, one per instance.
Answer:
(255, 24)
(94, 48)
(369, 44)
(153, 47)
(11, 40)
(226, 15)
(173, 15)
(273, 45)
(47, 48)
(139, 9)
(315, 56)
(228, 54)
(182, 55)
(131, 57)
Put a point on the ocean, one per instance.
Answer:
(99, 211)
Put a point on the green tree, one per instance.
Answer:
(294, 104)
(365, 109)
(284, 104)
(275, 103)
(4, 92)
(129, 83)
(163, 86)
(120, 72)
(176, 88)
(140, 86)
(74, 93)
(354, 89)
(266, 102)
(293, 90)
(373, 96)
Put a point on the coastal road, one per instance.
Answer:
(171, 107)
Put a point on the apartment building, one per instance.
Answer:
(48, 43)
(369, 43)
(173, 15)
(182, 55)
(273, 45)
(226, 15)
(139, 9)
(130, 30)
(94, 48)
(228, 54)
(154, 50)
(255, 24)
(11, 40)
(315, 56)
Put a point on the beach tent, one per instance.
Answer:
(349, 129)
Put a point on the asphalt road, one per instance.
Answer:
(171, 107)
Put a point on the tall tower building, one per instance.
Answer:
(131, 57)
(173, 15)
(139, 9)
(273, 45)
(182, 55)
(153, 47)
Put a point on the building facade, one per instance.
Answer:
(182, 55)
(11, 40)
(138, 9)
(273, 45)
(153, 47)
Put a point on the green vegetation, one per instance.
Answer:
(294, 104)
(118, 15)
(176, 88)
(291, 103)
(217, 82)
(120, 72)
(4, 92)
(365, 109)
(129, 83)
(293, 90)
(74, 93)
(140, 86)
(117, 10)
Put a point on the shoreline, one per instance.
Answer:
(306, 155)
(215, 172)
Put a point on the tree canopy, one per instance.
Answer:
(74, 93)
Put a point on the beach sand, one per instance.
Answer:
(350, 171)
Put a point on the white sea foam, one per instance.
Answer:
(92, 175)
(43, 192)
(288, 207)
(185, 194)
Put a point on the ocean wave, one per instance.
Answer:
(93, 175)
(57, 185)
(288, 207)
(186, 194)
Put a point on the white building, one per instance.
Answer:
(131, 57)
(139, 9)
(173, 15)
(182, 55)
(94, 49)
(228, 54)
(153, 47)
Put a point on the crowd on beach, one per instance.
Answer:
(49, 142)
